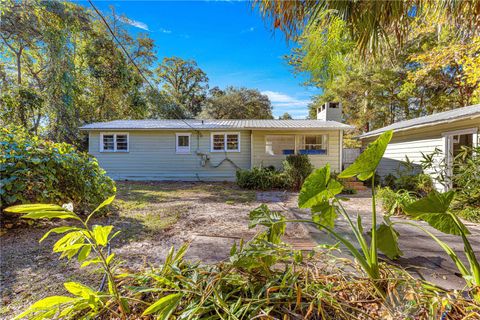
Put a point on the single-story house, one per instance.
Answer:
(210, 150)
(446, 131)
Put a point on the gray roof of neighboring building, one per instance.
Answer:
(215, 124)
(433, 119)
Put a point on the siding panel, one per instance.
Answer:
(152, 156)
(414, 142)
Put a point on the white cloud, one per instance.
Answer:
(133, 23)
(163, 30)
(282, 103)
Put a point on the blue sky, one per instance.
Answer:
(229, 41)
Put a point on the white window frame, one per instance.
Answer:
(114, 141)
(327, 143)
(183, 150)
(224, 140)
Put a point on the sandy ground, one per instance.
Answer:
(153, 217)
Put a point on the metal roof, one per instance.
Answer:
(215, 124)
(469, 112)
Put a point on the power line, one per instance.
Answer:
(132, 61)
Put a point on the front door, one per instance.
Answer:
(454, 141)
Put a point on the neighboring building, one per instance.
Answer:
(209, 149)
(446, 131)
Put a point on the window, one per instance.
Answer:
(314, 144)
(183, 142)
(279, 145)
(114, 142)
(221, 142)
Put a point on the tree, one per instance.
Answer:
(237, 103)
(285, 116)
(431, 71)
(370, 23)
(185, 83)
(61, 68)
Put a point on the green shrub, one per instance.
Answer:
(393, 202)
(297, 167)
(261, 178)
(296, 170)
(470, 214)
(34, 170)
(421, 183)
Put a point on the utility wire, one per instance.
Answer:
(149, 83)
(132, 61)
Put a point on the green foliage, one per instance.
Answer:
(393, 202)
(261, 178)
(236, 103)
(80, 242)
(297, 167)
(35, 170)
(435, 210)
(185, 83)
(365, 165)
(264, 278)
(63, 68)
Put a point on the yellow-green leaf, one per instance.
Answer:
(79, 289)
(164, 307)
(101, 233)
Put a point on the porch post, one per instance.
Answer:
(341, 150)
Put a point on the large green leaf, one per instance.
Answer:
(101, 233)
(164, 307)
(434, 209)
(365, 165)
(318, 188)
(324, 214)
(387, 241)
(42, 211)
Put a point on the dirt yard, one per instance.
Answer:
(153, 217)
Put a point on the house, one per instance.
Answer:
(209, 150)
(446, 131)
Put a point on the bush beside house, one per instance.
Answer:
(34, 170)
(296, 168)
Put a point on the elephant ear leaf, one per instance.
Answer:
(434, 209)
(388, 241)
(318, 188)
(324, 214)
(367, 162)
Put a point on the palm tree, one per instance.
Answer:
(370, 22)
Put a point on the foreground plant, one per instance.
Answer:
(319, 193)
(435, 209)
(89, 245)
